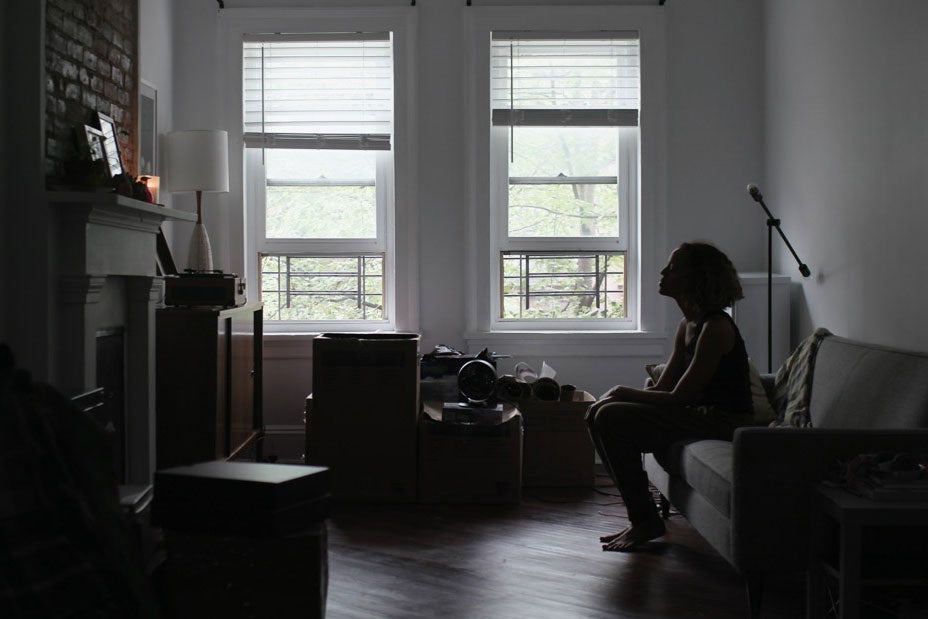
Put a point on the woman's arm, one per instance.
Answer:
(673, 369)
(716, 339)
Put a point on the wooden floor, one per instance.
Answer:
(538, 560)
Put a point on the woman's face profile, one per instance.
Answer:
(672, 275)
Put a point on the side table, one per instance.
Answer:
(843, 518)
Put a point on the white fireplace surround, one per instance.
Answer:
(105, 266)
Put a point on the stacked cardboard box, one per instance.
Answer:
(469, 463)
(558, 448)
(362, 415)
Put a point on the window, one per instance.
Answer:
(318, 121)
(564, 177)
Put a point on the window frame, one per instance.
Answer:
(626, 241)
(382, 243)
(398, 220)
(648, 240)
(383, 183)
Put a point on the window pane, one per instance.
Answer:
(568, 151)
(320, 194)
(548, 154)
(577, 285)
(563, 210)
(322, 287)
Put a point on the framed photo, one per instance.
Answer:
(165, 261)
(93, 145)
(148, 129)
(110, 144)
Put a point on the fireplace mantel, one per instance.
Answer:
(109, 234)
(105, 265)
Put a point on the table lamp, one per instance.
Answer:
(197, 160)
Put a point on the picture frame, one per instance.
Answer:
(93, 144)
(164, 259)
(110, 144)
(148, 129)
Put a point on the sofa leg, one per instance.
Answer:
(665, 507)
(755, 587)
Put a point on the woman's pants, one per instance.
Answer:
(623, 431)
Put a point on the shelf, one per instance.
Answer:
(108, 200)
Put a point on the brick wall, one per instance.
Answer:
(91, 61)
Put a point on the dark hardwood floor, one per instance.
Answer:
(538, 560)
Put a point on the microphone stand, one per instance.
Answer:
(773, 222)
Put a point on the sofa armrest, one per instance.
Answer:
(773, 471)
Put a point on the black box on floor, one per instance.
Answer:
(469, 463)
(212, 575)
(243, 539)
(361, 419)
(241, 498)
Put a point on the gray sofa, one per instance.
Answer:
(750, 498)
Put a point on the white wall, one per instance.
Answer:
(156, 66)
(197, 99)
(847, 155)
(715, 133)
(714, 130)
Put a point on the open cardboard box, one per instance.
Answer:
(558, 450)
(469, 463)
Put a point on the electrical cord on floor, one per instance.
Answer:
(655, 495)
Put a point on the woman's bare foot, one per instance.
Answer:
(632, 536)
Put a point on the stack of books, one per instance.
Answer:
(894, 488)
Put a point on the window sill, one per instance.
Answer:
(572, 343)
(549, 344)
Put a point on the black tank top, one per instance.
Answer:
(729, 389)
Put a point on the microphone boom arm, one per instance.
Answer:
(775, 223)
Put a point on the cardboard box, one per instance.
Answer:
(469, 463)
(558, 447)
(362, 415)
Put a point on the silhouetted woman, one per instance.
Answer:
(704, 391)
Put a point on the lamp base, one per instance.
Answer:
(200, 254)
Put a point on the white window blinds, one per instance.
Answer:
(318, 91)
(578, 79)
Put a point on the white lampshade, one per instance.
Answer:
(196, 160)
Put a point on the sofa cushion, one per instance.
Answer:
(705, 465)
(858, 385)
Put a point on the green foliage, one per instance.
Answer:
(311, 212)
(568, 209)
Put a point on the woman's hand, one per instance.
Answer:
(619, 393)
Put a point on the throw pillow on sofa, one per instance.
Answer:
(792, 389)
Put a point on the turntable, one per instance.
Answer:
(204, 288)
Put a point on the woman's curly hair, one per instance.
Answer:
(711, 283)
